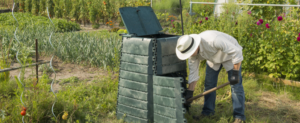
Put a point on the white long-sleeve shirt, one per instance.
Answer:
(216, 48)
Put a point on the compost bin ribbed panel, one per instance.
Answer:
(141, 100)
(168, 99)
(143, 96)
(166, 60)
(135, 97)
(137, 46)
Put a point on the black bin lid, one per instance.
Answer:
(140, 20)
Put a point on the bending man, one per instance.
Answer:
(219, 50)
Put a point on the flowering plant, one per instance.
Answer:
(272, 49)
(110, 24)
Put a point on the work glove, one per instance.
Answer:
(188, 95)
(235, 78)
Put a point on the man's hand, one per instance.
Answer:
(235, 78)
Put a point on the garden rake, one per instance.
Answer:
(207, 92)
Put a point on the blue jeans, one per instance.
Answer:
(237, 94)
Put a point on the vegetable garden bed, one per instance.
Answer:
(273, 51)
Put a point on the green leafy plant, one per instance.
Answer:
(50, 6)
(114, 29)
(28, 5)
(27, 20)
(57, 9)
(5, 60)
(44, 68)
(42, 7)
(203, 10)
(270, 46)
(265, 11)
(21, 5)
(122, 31)
(35, 7)
(81, 11)
(92, 12)
(95, 26)
(73, 79)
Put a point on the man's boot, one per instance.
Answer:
(188, 95)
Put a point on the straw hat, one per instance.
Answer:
(187, 45)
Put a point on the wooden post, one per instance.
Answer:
(181, 18)
(36, 59)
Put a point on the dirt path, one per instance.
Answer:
(63, 71)
(88, 27)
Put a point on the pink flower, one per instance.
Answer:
(201, 22)
(172, 20)
(206, 18)
(279, 18)
(298, 39)
(267, 25)
(249, 12)
(258, 23)
(236, 23)
(284, 14)
(261, 21)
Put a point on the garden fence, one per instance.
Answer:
(219, 5)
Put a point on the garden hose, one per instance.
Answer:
(19, 60)
(52, 66)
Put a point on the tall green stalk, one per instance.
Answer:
(42, 7)
(28, 5)
(50, 4)
(35, 7)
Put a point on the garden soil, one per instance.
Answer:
(88, 27)
(63, 71)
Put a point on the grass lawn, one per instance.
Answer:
(95, 100)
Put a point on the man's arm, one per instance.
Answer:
(226, 45)
(193, 63)
(237, 66)
(192, 85)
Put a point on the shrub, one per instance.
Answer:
(269, 47)
(267, 12)
(120, 31)
(114, 29)
(28, 20)
(95, 26)
(203, 9)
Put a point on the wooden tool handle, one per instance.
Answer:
(207, 92)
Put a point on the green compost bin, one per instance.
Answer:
(148, 62)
